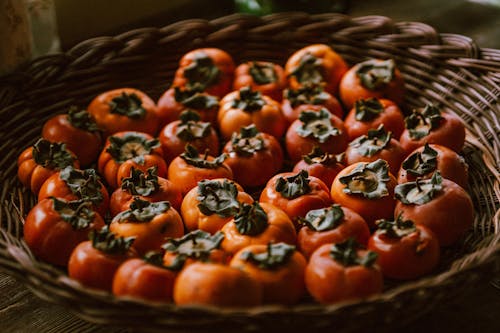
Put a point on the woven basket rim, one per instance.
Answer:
(485, 60)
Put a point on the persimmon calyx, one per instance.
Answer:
(310, 70)
(191, 128)
(397, 228)
(422, 121)
(83, 183)
(202, 72)
(78, 213)
(317, 124)
(142, 211)
(420, 191)
(368, 180)
(196, 99)
(309, 94)
(249, 100)
(106, 241)
(251, 219)
(155, 258)
(375, 141)
(367, 109)
(421, 163)
(346, 253)
(217, 197)
(376, 75)
(82, 119)
(131, 146)
(52, 155)
(262, 73)
(141, 183)
(197, 245)
(129, 105)
(318, 156)
(277, 255)
(248, 141)
(293, 186)
(323, 219)
(192, 157)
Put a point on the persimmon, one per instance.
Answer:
(245, 107)
(296, 194)
(424, 161)
(150, 223)
(367, 189)
(124, 109)
(437, 203)
(212, 203)
(322, 165)
(146, 186)
(190, 167)
(126, 150)
(315, 128)
(189, 129)
(309, 97)
(263, 76)
(430, 125)
(75, 184)
(196, 246)
(93, 263)
(207, 69)
(374, 78)
(78, 130)
(147, 279)
(257, 223)
(315, 64)
(377, 144)
(37, 163)
(254, 157)
(215, 284)
(334, 224)
(405, 250)
(343, 272)
(54, 227)
(177, 100)
(370, 114)
(278, 267)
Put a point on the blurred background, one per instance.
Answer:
(76, 20)
(32, 28)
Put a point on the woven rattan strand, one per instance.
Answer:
(444, 69)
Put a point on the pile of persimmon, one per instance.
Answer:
(250, 184)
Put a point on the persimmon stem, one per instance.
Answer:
(417, 183)
(193, 238)
(419, 158)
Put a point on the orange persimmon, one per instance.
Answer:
(187, 169)
(37, 163)
(150, 223)
(367, 189)
(124, 109)
(315, 64)
(211, 204)
(257, 224)
(263, 76)
(278, 267)
(244, 107)
(372, 78)
(342, 272)
(215, 284)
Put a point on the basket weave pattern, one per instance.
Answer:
(447, 70)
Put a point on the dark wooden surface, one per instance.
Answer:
(476, 310)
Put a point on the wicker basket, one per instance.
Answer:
(447, 70)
